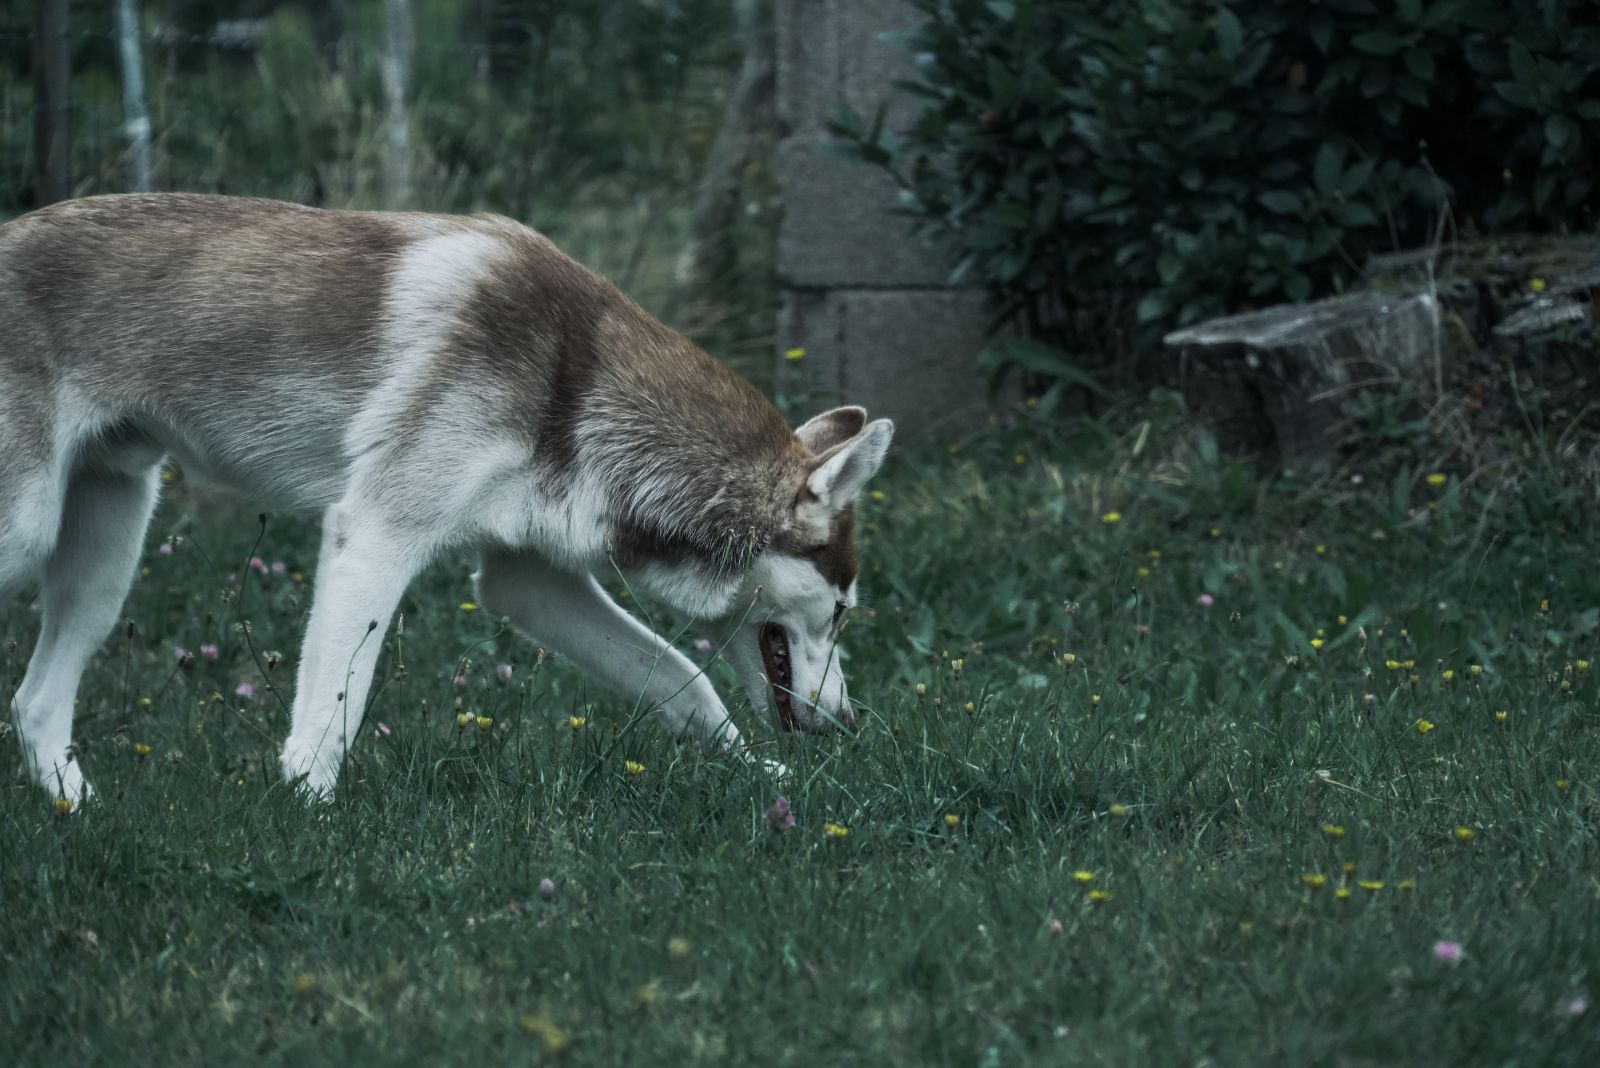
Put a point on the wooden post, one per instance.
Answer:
(52, 101)
(136, 119)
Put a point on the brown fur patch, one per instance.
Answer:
(836, 559)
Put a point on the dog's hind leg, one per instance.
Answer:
(86, 578)
(574, 616)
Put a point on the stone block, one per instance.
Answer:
(910, 355)
(839, 226)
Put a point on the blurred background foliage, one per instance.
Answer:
(1111, 170)
(592, 120)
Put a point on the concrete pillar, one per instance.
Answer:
(867, 302)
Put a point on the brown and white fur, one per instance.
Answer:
(426, 383)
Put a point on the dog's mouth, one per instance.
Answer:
(775, 658)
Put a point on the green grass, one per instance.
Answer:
(202, 913)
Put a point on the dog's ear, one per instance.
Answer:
(823, 432)
(844, 468)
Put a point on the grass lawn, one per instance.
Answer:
(1231, 772)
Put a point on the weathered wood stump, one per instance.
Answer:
(1469, 332)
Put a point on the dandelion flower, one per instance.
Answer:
(835, 830)
(1342, 893)
(1117, 809)
(1448, 676)
(141, 749)
(1371, 886)
(922, 689)
(1424, 726)
(1333, 830)
(1465, 834)
(1099, 897)
(462, 719)
(552, 1038)
(633, 767)
(1562, 784)
(677, 947)
(1315, 880)
(63, 806)
(1446, 952)
(1392, 665)
(1536, 285)
(969, 708)
(1581, 665)
(1094, 700)
(469, 606)
(1111, 517)
(1083, 878)
(1475, 670)
(1437, 479)
(1321, 550)
(1348, 867)
(957, 665)
(485, 722)
(1406, 884)
(1069, 658)
(952, 820)
(1317, 644)
(794, 354)
(577, 722)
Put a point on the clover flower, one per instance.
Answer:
(778, 816)
(1446, 952)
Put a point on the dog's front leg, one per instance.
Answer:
(573, 616)
(363, 570)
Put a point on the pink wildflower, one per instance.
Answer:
(1447, 952)
(209, 651)
(503, 671)
(1206, 600)
(779, 818)
(244, 689)
(382, 732)
(1576, 1005)
(165, 548)
(179, 652)
(702, 646)
(547, 888)
(461, 679)
(258, 564)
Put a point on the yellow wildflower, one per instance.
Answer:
(1536, 285)
(1094, 700)
(1321, 550)
(1562, 784)
(1333, 830)
(462, 719)
(1118, 809)
(1020, 458)
(485, 722)
(1424, 726)
(1083, 878)
(1317, 644)
(1099, 897)
(957, 665)
(1216, 532)
(1437, 479)
(796, 353)
(969, 708)
(952, 820)
(553, 1039)
(1348, 867)
(1581, 665)
(1069, 658)
(1372, 886)
(922, 689)
(1341, 620)
(1315, 880)
(1392, 665)
(835, 830)
(1500, 716)
(677, 947)
(577, 723)
(633, 767)
(1111, 517)
(1342, 894)
(879, 496)
(469, 606)
(1465, 834)
(63, 806)
(1406, 884)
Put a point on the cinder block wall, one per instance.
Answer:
(867, 302)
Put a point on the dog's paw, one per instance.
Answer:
(304, 768)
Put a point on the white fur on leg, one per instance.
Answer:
(86, 579)
(361, 574)
(573, 615)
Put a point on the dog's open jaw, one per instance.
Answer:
(775, 658)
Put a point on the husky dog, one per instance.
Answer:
(427, 383)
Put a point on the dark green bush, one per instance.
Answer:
(1179, 158)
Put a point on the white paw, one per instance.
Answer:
(303, 766)
(66, 782)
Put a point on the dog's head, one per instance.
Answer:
(802, 587)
